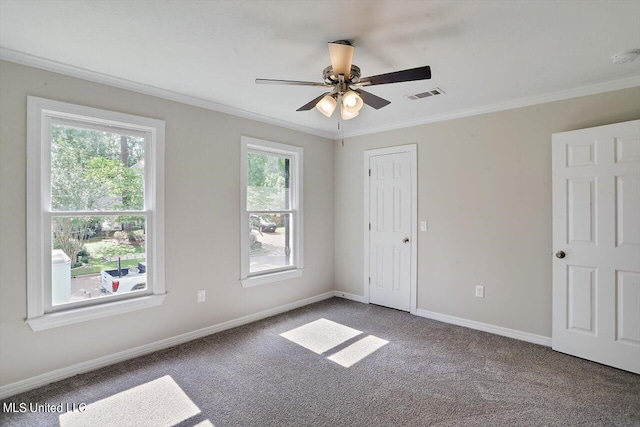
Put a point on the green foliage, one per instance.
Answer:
(134, 222)
(91, 169)
(101, 250)
(265, 170)
(136, 236)
(67, 234)
(121, 236)
(110, 178)
(267, 187)
(109, 248)
(97, 266)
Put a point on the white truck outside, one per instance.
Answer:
(121, 280)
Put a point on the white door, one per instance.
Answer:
(390, 230)
(596, 237)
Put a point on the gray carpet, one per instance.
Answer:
(429, 373)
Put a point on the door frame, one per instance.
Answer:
(412, 149)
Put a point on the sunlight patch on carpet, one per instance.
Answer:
(160, 402)
(320, 335)
(357, 351)
(205, 423)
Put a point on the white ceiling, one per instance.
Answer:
(485, 55)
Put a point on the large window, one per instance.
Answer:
(95, 208)
(271, 231)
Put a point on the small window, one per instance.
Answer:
(95, 209)
(271, 238)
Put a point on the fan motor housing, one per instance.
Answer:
(331, 78)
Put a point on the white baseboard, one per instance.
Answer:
(352, 297)
(485, 327)
(90, 365)
(79, 368)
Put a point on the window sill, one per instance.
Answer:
(77, 315)
(263, 279)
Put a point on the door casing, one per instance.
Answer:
(413, 150)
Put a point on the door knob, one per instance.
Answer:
(560, 254)
(405, 240)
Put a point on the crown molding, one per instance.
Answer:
(84, 74)
(507, 105)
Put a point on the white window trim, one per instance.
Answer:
(296, 153)
(39, 113)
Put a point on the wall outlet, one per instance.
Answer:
(480, 291)
(202, 295)
(423, 225)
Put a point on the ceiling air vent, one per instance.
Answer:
(432, 92)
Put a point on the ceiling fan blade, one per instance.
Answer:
(420, 73)
(372, 100)
(341, 55)
(308, 106)
(288, 82)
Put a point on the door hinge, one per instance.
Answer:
(369, 226)
(369, 280)
(369, 172)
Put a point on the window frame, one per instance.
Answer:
(41, 115)
(295, 154)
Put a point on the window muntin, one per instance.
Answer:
(95, 205)
(271, 208)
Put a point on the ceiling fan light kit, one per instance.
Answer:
(344, 79)
(347, 114)
(327, 105)
(352, 100)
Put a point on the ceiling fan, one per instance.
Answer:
(344, 79)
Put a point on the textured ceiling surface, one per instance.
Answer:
(481, 53)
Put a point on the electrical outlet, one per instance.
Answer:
(480, 291)
(202, 295)
(423, 225)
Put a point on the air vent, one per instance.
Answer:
(432, 92)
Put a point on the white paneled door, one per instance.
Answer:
(596, 238)
(390, 230)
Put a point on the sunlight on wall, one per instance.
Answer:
(357, 351)
(321, 335)
(159, 402)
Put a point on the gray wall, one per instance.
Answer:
(484, 186)
(202, 225)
